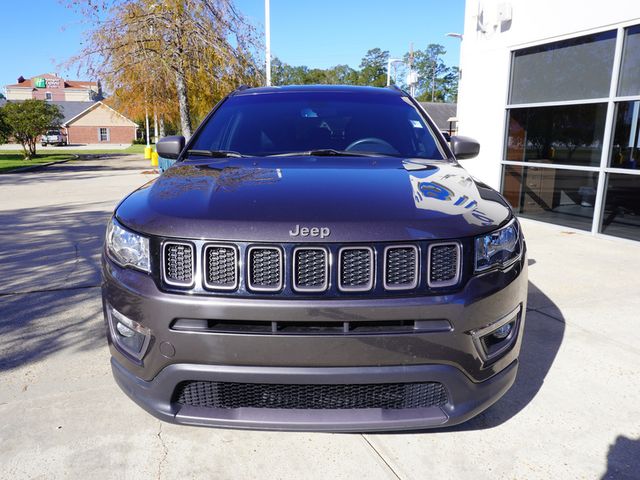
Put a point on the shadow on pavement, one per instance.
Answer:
(49, 274)
(543, 335)
(623, 459)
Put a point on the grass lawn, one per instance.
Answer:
(10, 159)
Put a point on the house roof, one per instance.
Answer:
(71, 110)
(90, 106)
(440, 113)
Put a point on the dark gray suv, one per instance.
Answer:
(316, 259)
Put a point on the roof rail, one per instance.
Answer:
(240, 89)
(397, 89)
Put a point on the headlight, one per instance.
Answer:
(126, 248)
(499, 248)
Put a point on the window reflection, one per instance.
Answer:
(577, 68)
(622, 206)
(564, 197)
(625, 150)
(568, 134)
(629, 78)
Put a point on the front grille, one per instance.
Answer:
(178, 264)
(315, 397)
(401, 267)
(265, 269)
(356, 269)
(311, 269)
(221, 267)
(444, 264)
(246, 269)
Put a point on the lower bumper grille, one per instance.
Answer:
(295, 396)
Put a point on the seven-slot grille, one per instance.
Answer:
(265, 269)
(444, 264)
(311, 268)
(355, 269)
(221, 267)
(207, 394)
(179, 262)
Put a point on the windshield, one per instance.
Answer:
(52, 132)
(291, 122)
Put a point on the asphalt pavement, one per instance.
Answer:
(574, 411)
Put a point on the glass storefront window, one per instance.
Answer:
(621, 216)
(630, 69)
(578, 68)
(625, 148)
(564, 197)
(566, 135)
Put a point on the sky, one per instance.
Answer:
(315, 33)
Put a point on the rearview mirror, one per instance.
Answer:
(170, 147)
(464, 147)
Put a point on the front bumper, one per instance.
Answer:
(449, 357)
(466, 399)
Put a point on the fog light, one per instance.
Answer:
(129, 335)
(124, 330)
(503, 331)
(497, 338)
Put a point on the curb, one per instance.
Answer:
(31, 168)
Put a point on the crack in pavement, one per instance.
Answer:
(380, 456)
(47, 290)
(164, 454)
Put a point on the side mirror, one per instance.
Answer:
(464, 147)
(170, 147)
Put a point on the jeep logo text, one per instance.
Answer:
(321, 232)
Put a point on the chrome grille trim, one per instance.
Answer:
(447, 283)
(416, 267)
(327, 261)
(372, 274)
(249, 270)
(205, 273)
(175, 283)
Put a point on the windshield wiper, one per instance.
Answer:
(328, 152)
(216, 153)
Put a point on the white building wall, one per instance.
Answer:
(485, 60)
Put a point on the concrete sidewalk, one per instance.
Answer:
(573, 412)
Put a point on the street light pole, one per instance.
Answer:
(267, 34)
(389, 62)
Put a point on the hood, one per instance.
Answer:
(347, 199)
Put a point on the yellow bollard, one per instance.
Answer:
(154, 159)
(147, 152)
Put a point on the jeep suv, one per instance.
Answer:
(316, 259)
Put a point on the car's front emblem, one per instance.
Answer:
(298, 231)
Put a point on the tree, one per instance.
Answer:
(196, 50)
(373, 68)
(5, 130)
(28, 120)
(436, 81)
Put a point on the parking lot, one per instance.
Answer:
(574, 411)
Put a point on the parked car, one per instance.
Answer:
(316, 259)
(54, 137)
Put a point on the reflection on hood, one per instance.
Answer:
(453, 194)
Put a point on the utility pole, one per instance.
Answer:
(267, 34)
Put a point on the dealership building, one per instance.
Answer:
(86, 118)
(552, 92)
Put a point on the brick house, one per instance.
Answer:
(96, 123)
